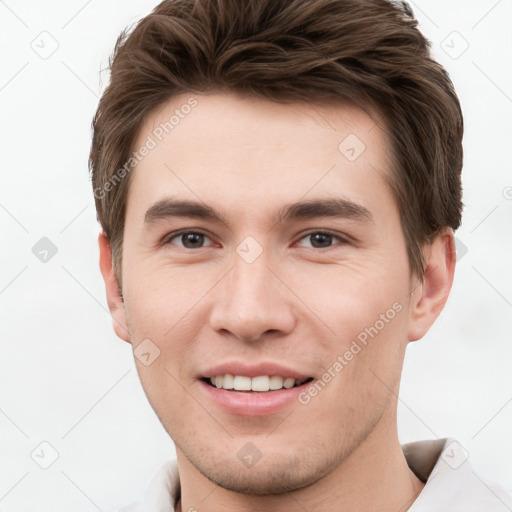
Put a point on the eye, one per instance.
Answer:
(196, 239)
(323, 239)
(188, 239)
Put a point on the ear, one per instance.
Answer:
(430, 294)
(114, 298)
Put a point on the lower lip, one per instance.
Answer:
(255, 403)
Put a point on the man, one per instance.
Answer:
(278, 183)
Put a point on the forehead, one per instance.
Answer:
(252, 152)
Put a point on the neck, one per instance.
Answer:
(374, 477)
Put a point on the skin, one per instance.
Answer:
(298, 303)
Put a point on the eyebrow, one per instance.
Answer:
(332, 207)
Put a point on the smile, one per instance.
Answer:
(261, 383)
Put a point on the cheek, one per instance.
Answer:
(167, 395)
(160, 301)
(361, 374)
(355, 297)
(168, 306)
(366, 313)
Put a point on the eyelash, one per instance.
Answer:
(343, 240)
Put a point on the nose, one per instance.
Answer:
(253, 302)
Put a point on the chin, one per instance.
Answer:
(263, 479)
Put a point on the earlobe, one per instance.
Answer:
(429, 297)
(114, 297)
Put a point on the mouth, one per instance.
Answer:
(256, 385)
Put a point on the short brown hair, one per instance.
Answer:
(369, 53)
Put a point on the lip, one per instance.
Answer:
(252, 403)
(253, 370)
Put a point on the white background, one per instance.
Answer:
(67, 380)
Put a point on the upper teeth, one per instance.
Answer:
(261, 383)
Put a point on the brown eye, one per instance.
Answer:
(188, 239)
(322, 239)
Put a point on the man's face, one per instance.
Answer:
(312, 295)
